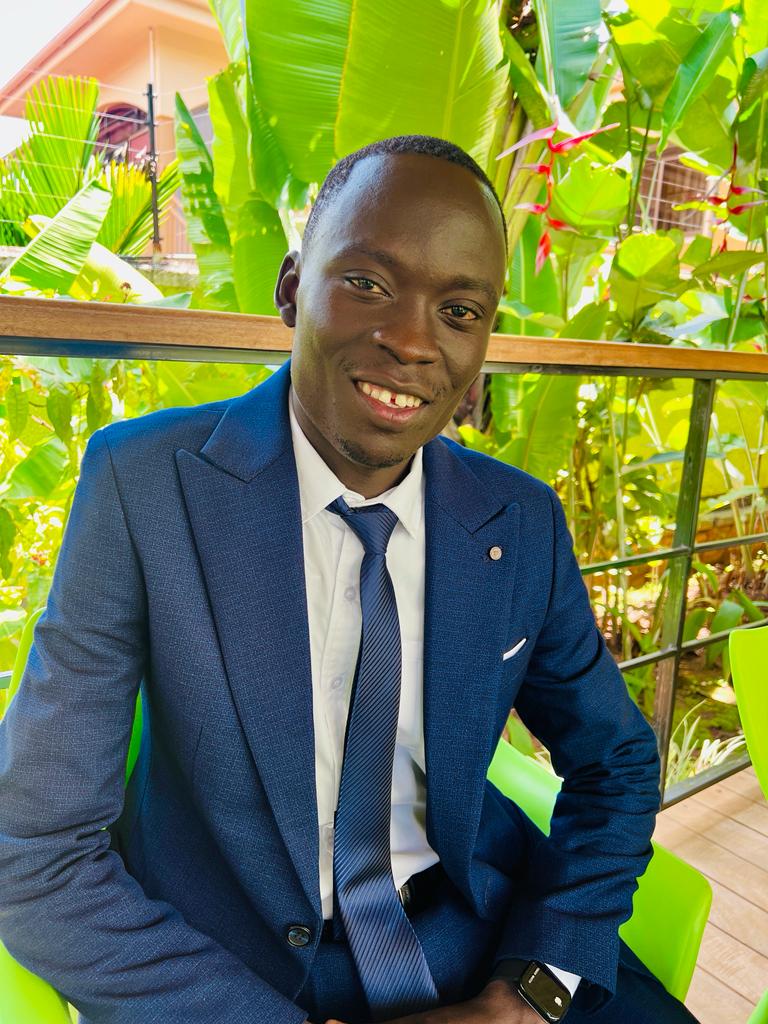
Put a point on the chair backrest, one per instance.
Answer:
(23, 995)
(672, 901)
(748, 650)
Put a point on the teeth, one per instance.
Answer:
(403, 401)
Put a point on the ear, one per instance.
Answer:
(287, 286)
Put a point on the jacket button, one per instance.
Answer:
(299, 935)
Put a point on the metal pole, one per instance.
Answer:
(152, 170)
(679, 568)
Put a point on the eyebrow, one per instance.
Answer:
(386, 258)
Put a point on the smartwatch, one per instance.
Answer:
(537, 986)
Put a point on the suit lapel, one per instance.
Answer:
(467, 614)
(242, 498)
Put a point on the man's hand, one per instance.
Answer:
(498, 1003)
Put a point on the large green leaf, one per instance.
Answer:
(729, 263)
(55, 257)
(696, 72)
(645, 270)
(333, 75)
(545, 426)
(229, 17)
(569, 33)
(40, 472)
(107, 278)
(754, 28)
(441, 75)
(229, 149)
(525, 82)
(51, 164)
(752, 122)
(591, 198)
(652, 45)
(206, 225)
(703, 130)
(258, 247)
(128, 226)
(754, 80)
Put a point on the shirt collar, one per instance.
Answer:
(319, 485)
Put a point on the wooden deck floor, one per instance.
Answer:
(723, 831)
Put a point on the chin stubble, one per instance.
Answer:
(353, 451)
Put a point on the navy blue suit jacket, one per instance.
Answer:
(181, 572)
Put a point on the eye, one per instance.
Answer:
(366, 281)
(463, 310)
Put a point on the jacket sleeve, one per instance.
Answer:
(579, 882)
(69, 910)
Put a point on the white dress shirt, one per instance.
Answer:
(333, 554)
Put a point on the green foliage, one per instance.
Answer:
(690, 753)
(58, 158)
(49, 407)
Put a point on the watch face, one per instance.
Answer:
(545, 993)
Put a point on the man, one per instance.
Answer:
(324, 600)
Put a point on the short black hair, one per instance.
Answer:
(430, 145)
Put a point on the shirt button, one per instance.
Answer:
(299, 935)
(336, 682)
(350, 593)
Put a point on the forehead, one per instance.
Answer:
(436, 211)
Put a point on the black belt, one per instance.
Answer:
(418, 893)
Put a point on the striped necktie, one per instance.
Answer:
(389, 959)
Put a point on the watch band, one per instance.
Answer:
(537, 986)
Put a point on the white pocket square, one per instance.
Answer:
(513, 650)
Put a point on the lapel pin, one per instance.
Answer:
(495, 552)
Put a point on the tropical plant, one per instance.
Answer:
(691, 753)
(60, 156)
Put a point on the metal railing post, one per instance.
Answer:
(679, 568)
(152, 169)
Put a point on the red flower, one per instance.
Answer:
(564, 146)
(543, 250)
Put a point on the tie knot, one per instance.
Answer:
(373, 524)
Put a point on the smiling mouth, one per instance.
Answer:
(387, 410)
(387, 396)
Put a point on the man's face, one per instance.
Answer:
(399, 289)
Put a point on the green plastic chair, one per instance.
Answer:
(671, 903)
(760, 1013)
(26, 998)
(748, 649)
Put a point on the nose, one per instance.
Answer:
(409, 336)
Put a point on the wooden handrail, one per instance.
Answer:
(104, 329)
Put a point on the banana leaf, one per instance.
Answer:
(229, 149)
(333, 75)
(229, 18)
(258, 248)
(545, 430)
(107, 278)
(128, 226)
(527, 87)
(206, 224)
(569, 44)
(56, 256)
(50, 164)
(696, 73)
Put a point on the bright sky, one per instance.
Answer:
(32, 24)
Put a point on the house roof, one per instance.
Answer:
(106, 36)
